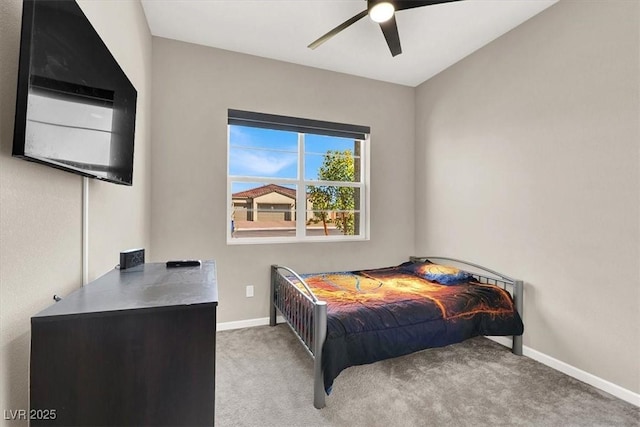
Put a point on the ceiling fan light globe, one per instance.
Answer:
(381, 12)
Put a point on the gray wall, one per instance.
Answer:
(40, 207)
(193, 86)
(527, 161)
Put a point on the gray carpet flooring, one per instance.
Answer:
(264, 378)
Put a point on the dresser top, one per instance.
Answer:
(150, 285)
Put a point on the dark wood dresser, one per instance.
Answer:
(135, 347)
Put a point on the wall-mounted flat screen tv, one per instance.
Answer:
(75, 107)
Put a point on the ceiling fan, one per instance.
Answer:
(382, 12)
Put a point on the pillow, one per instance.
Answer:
(443, 274)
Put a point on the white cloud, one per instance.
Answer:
(238, 136)
(259, 163)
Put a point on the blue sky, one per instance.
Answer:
(268, 153)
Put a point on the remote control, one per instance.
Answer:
(184, 263)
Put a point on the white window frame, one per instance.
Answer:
(301, 203)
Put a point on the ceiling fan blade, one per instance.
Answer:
(337, 29)
(410, 4)
(390, 31)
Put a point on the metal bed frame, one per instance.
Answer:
(307, 316)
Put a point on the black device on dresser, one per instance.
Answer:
(134, 347)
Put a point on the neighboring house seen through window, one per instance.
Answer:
(292, 179)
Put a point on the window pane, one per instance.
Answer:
(332, 159)
(263, 210)
(262, 152)
(333, 210)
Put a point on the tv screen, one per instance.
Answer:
(75, 107)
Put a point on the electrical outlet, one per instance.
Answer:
(249, 291)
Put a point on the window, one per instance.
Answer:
(291, 179)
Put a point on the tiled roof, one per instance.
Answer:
(265, 189)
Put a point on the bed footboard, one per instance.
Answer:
(305, 315)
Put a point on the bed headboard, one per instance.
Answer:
(514, 286)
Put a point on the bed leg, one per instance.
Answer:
(517, 345)
(272, 294)
(517, 299)
(319, 336)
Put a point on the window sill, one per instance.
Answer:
(279, 240)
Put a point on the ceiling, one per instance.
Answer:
(433, 37)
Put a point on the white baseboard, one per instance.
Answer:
(565, 368)
(572, 371)
(250, 323)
